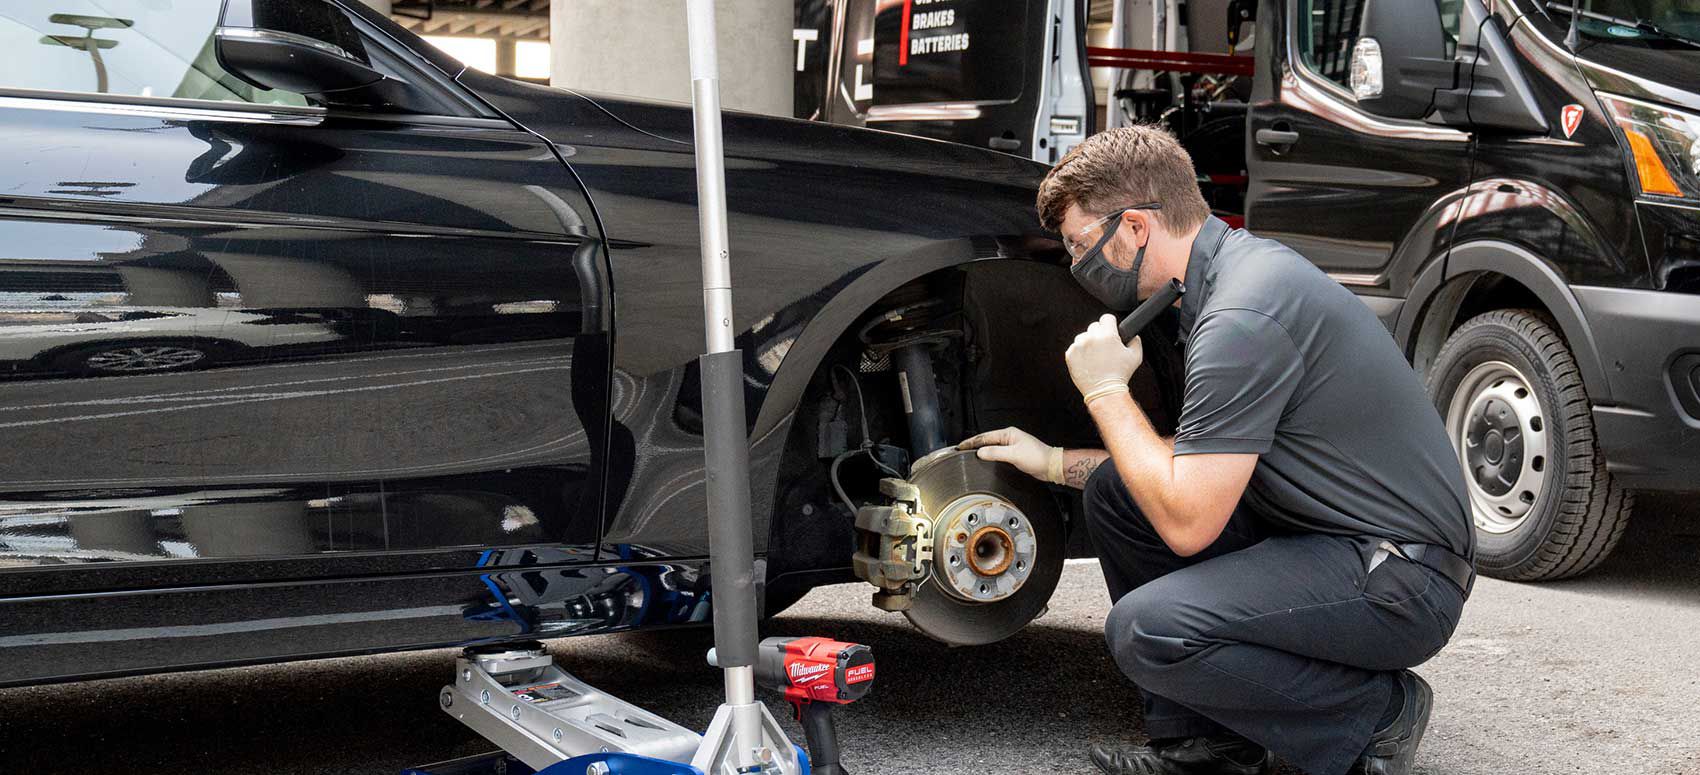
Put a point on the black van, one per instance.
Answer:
(1514, 189)
(1516, 192)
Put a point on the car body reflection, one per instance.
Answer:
(539, 598)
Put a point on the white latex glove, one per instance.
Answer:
(1020, 449)
(1098, 362)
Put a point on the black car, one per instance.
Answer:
(505, 440)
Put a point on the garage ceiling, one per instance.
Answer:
(515, 19)
(529, 19)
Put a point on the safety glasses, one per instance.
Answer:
(1078, 251)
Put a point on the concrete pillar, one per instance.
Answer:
(151, 286)
(128, 533)
(622, 47)
(277, 281)
(381, 6)
(266, 528)
(505, 55)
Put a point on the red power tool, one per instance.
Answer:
(815, 674)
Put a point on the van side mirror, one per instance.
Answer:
(1492, 93)
(305, 46)
(1400, 58)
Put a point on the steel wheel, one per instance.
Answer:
(1497, 424)
(1543, 503)
(141, 358)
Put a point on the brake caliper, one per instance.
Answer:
(894, 545)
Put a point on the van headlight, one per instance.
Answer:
(1662, 143)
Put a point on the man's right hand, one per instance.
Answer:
(1020, 449)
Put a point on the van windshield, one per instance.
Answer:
(1654, 23)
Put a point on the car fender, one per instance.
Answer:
(834, 319)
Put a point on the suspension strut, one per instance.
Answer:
(905, 334)
(920, 389)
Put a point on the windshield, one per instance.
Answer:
(1653, 23)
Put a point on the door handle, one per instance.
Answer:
(1004, 143)
(1279, 139)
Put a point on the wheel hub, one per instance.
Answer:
(985, 548)
(1497, 424)
(1004, 530)
(1493, 446)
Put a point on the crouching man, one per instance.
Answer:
(1303, 539)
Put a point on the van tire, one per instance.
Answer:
(1577, 512)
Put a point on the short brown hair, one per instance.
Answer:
(1121, 168)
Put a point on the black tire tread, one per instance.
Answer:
(1593, 509)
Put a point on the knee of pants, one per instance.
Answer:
(1148, 635)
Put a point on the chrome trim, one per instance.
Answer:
(943, 111)
(250, 114)
(1637, 101)
(1362, 280)
(41, 208)
(1322, 97)
(278, 36)
(1690, 206)
(1313, 88)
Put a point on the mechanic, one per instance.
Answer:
(1303, 539)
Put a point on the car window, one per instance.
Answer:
(1328, 29)
(137, 48)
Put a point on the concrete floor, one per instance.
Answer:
(1595, 675)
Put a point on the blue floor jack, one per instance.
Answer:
(550, 723)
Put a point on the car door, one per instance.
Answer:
(255, 343)
(1341, 186)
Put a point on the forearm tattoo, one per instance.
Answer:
(1076, 474)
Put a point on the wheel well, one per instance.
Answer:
(1462, 298)
(999, 363)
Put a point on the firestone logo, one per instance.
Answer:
(802, 672)
(1570, 118)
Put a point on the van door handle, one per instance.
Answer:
(1004, 143)
(1279, 139)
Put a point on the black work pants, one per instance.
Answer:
(1286, 639)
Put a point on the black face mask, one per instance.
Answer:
(1117, 288)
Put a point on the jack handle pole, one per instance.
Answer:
(725, 437)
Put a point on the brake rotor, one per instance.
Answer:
(998, 550)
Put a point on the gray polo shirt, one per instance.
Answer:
(1283, 362)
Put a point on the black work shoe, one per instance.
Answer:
(1225, 755)
(1392, 749)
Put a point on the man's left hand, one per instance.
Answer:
(1098, 358)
